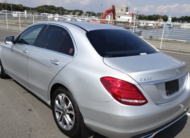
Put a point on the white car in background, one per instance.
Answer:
(50, 16)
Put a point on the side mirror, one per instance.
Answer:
(9, 40)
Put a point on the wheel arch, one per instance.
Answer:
(53, 88)
(85, 131)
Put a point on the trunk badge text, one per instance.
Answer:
(177, 71)
(146, 79)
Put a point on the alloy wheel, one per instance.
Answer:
(64, 112)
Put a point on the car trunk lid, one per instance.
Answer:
(156, 74)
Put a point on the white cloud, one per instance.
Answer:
(175, 9)
(146, 9)
(95, 5)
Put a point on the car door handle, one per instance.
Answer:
(54, 61)
(25, 50)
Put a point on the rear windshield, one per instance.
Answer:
(118, 43)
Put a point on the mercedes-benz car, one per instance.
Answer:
(98, 78)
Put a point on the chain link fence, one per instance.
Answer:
(174, 38)
(19, 22)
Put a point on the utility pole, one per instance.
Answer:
(30, 5)
(6, 4)
(11, 7)
(44, 7)
(101, 9)
(135, 17)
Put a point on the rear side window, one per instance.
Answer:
(57, 39)
(118, 43)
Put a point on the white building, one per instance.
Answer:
(25, 14)
(18, 13)
(123, 14)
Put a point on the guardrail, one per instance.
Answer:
(162, 37)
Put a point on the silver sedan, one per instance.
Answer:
(98, 78)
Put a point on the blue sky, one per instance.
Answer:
(173, 7)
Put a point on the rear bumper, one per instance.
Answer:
(115, 120)
(152, 133)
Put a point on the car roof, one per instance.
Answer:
(93, 26)
(85, 25)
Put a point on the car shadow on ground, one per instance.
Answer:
(174, 130)
(27, 91)
(170, 132)
(96, 135)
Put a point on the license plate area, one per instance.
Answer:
(172, 87)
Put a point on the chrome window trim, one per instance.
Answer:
(74, 43)
(53, 51)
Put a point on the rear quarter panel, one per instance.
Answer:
(82, 75)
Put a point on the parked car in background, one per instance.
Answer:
(50, 16)
(44, 15)
(63, 18)
(5, 11)
(98, 78)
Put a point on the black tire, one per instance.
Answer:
(76, 128)
(3, 75)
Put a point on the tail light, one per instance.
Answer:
(124, 92)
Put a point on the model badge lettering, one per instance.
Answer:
(177, 71)
(146, 79)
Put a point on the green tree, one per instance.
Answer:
(174, 19)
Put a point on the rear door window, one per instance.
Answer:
(118, 43)
(57, 39)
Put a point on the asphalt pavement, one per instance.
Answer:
(23, 115)
(5, 33)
